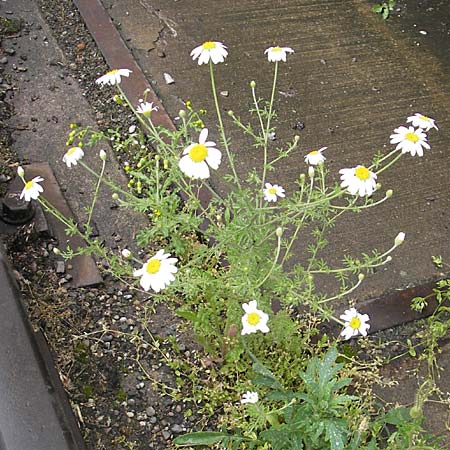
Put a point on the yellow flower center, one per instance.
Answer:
(411, 137)
(314, 152)
(208, 45)
(71, 151)
(153, 266)
(29, 184)
(198, 153)
(362, 173)
(427, 119)
(276, 49)
(355, 323)
(253, 318)
(112, 72)
(272, 190)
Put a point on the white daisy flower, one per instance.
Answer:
(277, 53)
(198, 157)
(315, 157)
(410, 140)
(209, 50)
(358, 180)
(32, 189)
(249, 397)
(421, 121)
(272, 192)
(157, 272)
(72, 156)
(354, 323)
(146, 109)
(126, 253)
(113, 77)
(254, 319)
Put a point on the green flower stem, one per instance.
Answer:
(277, 254)
(394, 160)
(94, 199)
(383, 158)
(357, 208)
(288, 151)
(299, 227)
(246, 129)
(61, 217)
(110, 184)
(352, 269)
(258, 111)
(303, 207)
(269, 117)
(221, 127)
(342, 294)
(322, 178)
(157, 176)
(148, 125)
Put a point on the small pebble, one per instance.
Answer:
(4, 60)
(177, 428)
(423, 32)
(168, 78)
(130, 414)
(166, 434)
(60, 267)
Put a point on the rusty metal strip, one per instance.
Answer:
(84, 270)
(118, 56)
(394, 308)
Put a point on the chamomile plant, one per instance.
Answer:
(225, 263)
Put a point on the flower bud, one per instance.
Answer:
(361, 276)
(182, 113)
(231, 113)
(389, 258)
(115, 196)
(126, 253)
(296, 138)
(117, 99)
(389, 193)
(56, 251)
(399, 239)
(166, 164)
(73, 125)
(302, 178)
(253, 84)
(102, 155)
(378, 186)
(310, 171)
(20, 172)
(279, 231)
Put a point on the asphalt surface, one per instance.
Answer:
(352, 79)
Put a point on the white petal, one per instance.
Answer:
(203, 136)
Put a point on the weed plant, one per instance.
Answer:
(226, 266)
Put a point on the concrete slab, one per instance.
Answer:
(31, 415)
(351, 82)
